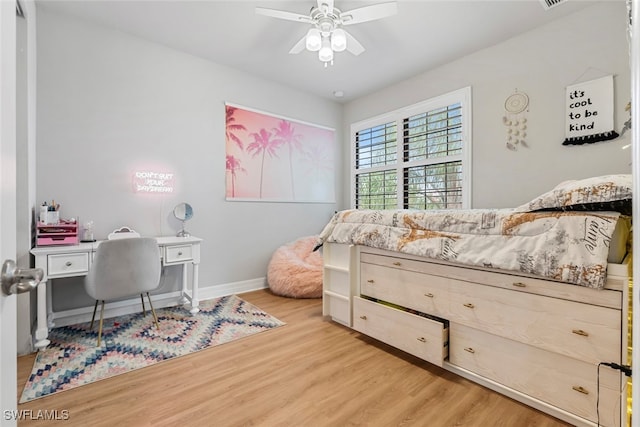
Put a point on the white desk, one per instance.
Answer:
(75, 260)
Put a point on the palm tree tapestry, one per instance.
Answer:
(271, 158)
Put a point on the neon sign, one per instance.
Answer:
(152, 182)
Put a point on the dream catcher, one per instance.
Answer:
(515, 119)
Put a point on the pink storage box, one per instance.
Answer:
(62, 233)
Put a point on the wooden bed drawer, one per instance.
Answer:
(417, 335)
(583, 331)
(496, 278)
(421, 292)
(558, 380)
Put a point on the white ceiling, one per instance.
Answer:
(423, 35)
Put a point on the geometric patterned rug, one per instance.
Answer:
(132, 342)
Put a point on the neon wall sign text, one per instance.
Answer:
(152, 182)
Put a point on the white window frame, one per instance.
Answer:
(462, 96)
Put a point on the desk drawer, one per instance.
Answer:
(178, 254)
(417, 335)
(68, 264)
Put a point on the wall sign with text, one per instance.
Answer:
(589, 113)
(152, 182)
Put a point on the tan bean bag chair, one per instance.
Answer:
(295, 270)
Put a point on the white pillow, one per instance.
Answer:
(600, 193)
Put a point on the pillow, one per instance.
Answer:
(601, 193)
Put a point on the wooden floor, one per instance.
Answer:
(311, 372)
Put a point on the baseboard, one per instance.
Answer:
(232, 288)
(113, 309)
(169, 299)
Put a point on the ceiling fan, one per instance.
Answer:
(326, 34)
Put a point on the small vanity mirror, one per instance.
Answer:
(183, 212)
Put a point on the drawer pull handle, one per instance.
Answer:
(370, 281)
(430, 295)
(580, 389)
(68, 263)
(469, 305)
(180, 253)
(397, 263)
(580, 332)
(422, 339)
(470, 350)
(363, 317)
(519, 285)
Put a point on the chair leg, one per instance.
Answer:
(100, 328)
(95, 307)
(155, 318)
(144, 310)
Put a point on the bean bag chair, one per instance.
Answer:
(295, 270)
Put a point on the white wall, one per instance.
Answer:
(586, 45)
(109, 104)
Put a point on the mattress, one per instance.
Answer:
(567, 246)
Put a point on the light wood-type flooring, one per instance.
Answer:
(311, 372)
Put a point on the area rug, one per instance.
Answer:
(132, 342)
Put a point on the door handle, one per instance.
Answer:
(19, 280)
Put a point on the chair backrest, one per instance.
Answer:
(123, 268)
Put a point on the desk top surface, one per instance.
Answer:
(91, 246)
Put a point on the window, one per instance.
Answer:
(417, 157)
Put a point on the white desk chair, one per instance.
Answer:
(123, 268)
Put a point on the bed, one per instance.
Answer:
(527, 301)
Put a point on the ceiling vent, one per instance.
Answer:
(548, 4)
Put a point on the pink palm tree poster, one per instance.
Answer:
(276, 159)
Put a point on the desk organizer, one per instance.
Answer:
(62, 233)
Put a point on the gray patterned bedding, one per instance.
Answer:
(567, 246)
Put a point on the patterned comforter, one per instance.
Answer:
(570, 247)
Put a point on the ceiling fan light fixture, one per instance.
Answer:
(338, 40)
(314, 40)
(326, 35)
(326, 26)
(325, 54)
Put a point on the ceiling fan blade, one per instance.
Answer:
(281, 14)
(300, 46)
(369, 13)
(353, 45)
(329, 4)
